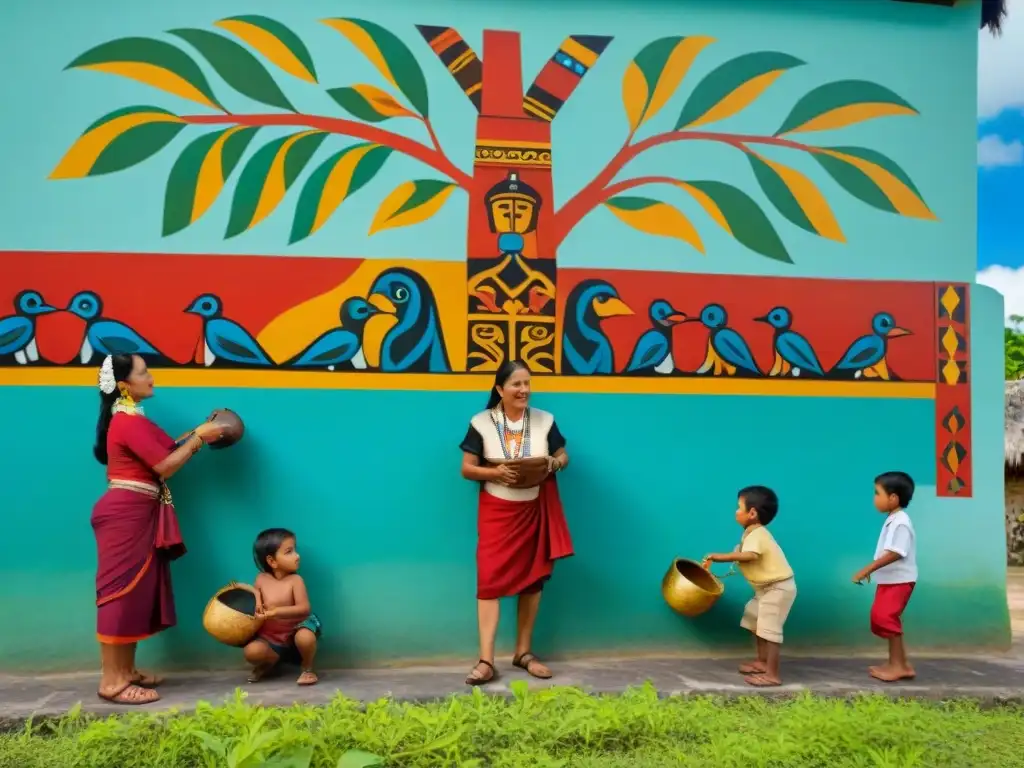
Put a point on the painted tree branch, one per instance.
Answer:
(598, 190)
(431, 156)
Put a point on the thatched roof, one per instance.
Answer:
(992, 11)
(1013, 429)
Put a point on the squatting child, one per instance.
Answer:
(290, 631)
(894, 570)
(763, 563)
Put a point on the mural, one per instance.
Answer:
(953, 393)
(512, 286)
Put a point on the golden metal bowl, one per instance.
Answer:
(690, 589)
(229, 616)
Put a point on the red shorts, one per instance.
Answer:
(886, 612)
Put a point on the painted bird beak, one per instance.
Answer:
(677, 317)
(895, 333)
(761, 319)
(688, 319)
(45, 309)
(382, 303)
(612, 307)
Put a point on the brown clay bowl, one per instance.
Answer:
(234, 429)
(532, 471)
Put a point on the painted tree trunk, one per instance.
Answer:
(511, 248)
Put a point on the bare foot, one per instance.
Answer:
(763, 681)
(259, 672)
(308, 677)
(889, 674)
(754, 668)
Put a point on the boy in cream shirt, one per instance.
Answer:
(762, 562)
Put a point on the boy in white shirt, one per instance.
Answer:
(895, 572)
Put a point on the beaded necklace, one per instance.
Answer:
(128, 406)
(522, 446)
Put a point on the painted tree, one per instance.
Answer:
(514, 229)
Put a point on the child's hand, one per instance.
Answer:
(861, 576)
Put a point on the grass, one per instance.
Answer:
(537, 729)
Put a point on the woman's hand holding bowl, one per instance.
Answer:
(505, 475)
(209, 431)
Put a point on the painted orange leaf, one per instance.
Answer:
(411, 203)
(117, 141)
(655, 73)
(369, 103)
(275, 41)
(874, 179)
(734, 86)
(654, 218)
(796, 197)
(843, 103)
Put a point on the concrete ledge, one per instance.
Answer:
(992, 680)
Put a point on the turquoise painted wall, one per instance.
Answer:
(386, 527)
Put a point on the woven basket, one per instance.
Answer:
(229, 616)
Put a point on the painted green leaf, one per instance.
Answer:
(655, 73)
(338, 178)
(153, 62)
(737, 213)
(843, 103)
(275, 41)
(874, 179)
(369, 103)
(236, 66)
(411, 202)
(796, 197)
(389, 55)
(119, 140)
(267, 177)
(198, 176)
(734, 86)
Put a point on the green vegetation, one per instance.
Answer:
(538, 729)
(1013, 340)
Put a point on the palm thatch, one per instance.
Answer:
(992, 11)
(992, 14)
(1013, 428)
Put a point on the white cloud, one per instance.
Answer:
(1010, 283)
(1000, 64)
(994, 152)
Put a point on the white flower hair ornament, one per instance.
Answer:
(108, 384)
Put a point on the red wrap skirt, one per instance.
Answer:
(518, 542)
(137, 537)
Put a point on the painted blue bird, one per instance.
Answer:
(416, 342)
(103, 335)
(18, 331)
(585, 348)
(653, 350)
(727, 352)
(341, 346)
(793, 353)
(866, 357)
(225, 339)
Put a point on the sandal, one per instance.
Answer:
(131, 695)
(143, 680)
(526, 660)
(308, 677)
(474, 679)
(761, 681)
(258, 672)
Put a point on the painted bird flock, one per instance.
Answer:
(415, 341)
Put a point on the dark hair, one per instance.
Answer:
(763, 500)
(123, 365)
(267, 544)
(504, 374)
(898, 483)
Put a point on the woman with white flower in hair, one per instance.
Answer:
(136, 530)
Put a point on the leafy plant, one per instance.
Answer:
(536, 729)
(1013, 343)
(127, 137)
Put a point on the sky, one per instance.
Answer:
(1001, 159)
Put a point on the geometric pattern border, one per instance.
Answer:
(953, 425)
